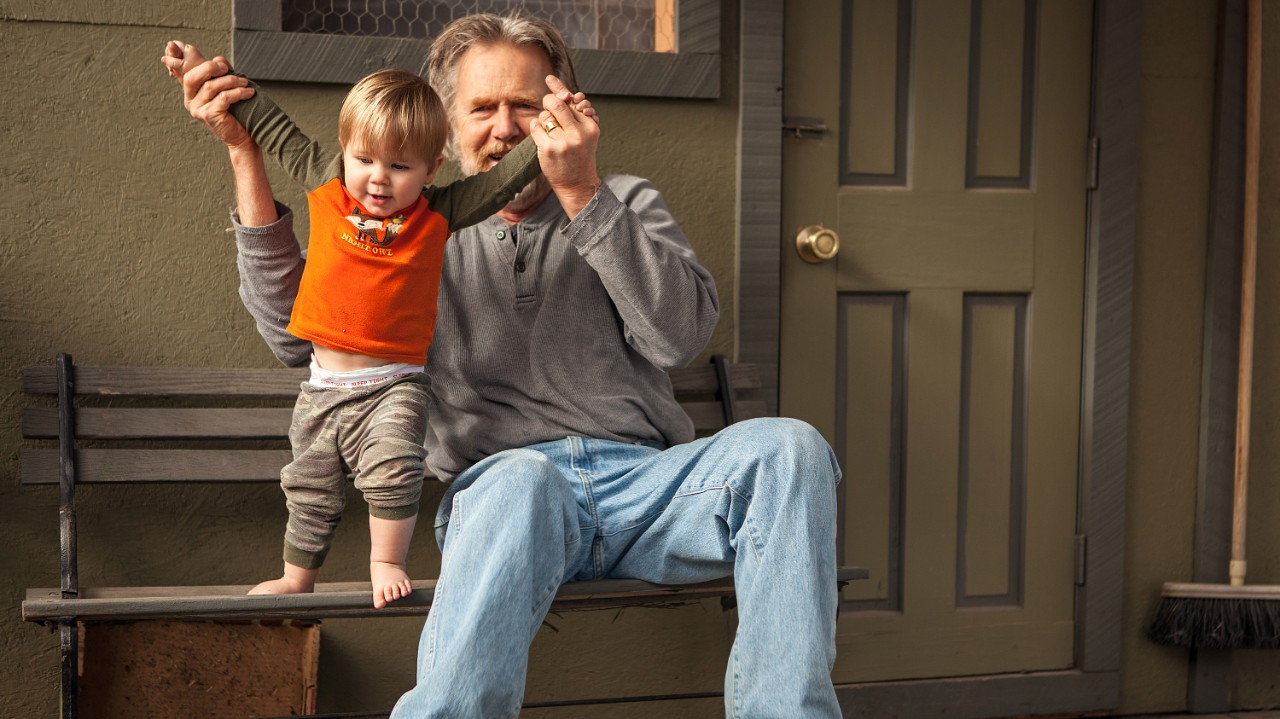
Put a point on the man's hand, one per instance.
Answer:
(208, 92)
(566, 132)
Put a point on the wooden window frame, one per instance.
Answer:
(262, 50)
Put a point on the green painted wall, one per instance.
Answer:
(1175, 151)
(120, 255)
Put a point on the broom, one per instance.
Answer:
(1233, 616)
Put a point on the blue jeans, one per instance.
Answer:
(757, 500)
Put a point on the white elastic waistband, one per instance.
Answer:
(321, 377)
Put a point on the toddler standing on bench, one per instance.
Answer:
(367, 303)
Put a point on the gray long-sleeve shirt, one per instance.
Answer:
(546, 329)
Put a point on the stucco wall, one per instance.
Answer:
(118, 253)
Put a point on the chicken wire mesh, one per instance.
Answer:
(646, 25)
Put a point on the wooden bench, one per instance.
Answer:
(188, 433)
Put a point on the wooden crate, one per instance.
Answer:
(197, 669)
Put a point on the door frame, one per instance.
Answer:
(1111, 227)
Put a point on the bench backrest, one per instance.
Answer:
(150, 424)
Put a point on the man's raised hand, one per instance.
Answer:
(208, 91)
(567, 131)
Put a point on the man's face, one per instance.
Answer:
(498, 94)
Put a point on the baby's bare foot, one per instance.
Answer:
(390, 582)
(283, 585)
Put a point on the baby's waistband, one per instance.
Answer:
(322, 378)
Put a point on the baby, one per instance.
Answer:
(367, 303)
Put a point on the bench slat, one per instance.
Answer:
(282, 383)
(337, 599)
(751, 409)
(162, 423)
(98, 466)
(169, 381)
(709, 416)
(252, 423)
(702, 378)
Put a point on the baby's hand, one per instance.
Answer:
(577, 100)
(180, 58)
(581, 104)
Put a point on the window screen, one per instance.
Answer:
(644, 25)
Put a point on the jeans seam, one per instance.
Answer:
(747, 525)
(546, 596)
(579, 451)
(432, 635)
(638, 523)
(703, 490)
(737, 681)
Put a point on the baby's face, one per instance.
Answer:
(385, 183)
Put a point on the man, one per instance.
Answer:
(551, 413)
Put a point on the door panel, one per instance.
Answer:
(940, 350)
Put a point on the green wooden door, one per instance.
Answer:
(940, 350)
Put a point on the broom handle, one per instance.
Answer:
(1248, 279)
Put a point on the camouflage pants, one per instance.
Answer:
(372, 436)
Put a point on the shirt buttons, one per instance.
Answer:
(502, 234)
(519, 267)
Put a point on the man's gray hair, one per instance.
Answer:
(458, 36)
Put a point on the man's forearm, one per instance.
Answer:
(667, 301)
(267, 256)
(254, 203)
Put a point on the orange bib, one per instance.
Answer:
(370, 283)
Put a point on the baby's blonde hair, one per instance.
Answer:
(397, 111)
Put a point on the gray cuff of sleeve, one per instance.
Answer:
(250, 237)
(595, 220)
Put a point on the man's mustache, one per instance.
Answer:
(502, 149)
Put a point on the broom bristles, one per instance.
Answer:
(1217, 622)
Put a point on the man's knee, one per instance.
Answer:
(518, 494)
(798, 434)
(522, 474)
(518, 482)
(787, 440)
(794, 460)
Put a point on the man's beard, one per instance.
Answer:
(529, 196)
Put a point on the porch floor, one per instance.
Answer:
(1260, 714)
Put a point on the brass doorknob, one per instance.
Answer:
(817, 244)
